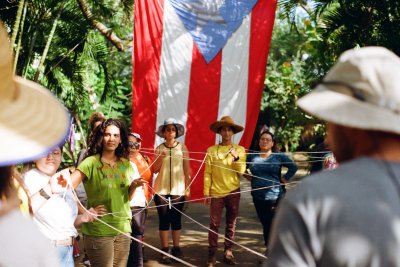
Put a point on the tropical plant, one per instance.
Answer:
(293, 65)
(308, 38)
(69, 47)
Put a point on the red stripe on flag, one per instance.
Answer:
(147, 51)
(202, 111)
(262, 21)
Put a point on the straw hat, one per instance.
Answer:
(225, 121)
(32, 121)
(362, 90)
(170, 121)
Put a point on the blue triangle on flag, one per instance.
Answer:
(212, 22)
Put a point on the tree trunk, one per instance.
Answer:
(112, 37)
(78, 122)
(20, 39)
(46, 49)
(16, 23)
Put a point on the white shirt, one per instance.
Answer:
(139, 198)
(56, 217)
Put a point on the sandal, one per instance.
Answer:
(229, 258)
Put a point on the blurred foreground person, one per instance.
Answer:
(24, 138)
(349, 216)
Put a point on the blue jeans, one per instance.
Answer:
(65, 256)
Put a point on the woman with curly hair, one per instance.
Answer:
(108, 177)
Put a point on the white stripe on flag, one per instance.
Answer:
(173, 90)
(234, 76)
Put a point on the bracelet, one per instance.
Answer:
(44, 194)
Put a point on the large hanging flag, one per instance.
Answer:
(196, 61)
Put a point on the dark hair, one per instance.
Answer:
(220, 128)
(274, 147)
(96, 140)
(7, 187)
(95, 117)
(6, 174)
(165, 126)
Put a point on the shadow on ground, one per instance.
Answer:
(194, 240)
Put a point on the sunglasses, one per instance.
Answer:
(134, 145)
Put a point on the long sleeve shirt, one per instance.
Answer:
(222, 173)
(267, 174)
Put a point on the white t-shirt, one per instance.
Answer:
(21, 244)
(139, 198)
(56, 217)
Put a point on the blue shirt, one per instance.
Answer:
(267, 173)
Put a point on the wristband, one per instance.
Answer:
(44, 194)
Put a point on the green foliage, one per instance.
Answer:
(348, 24)
(306, 44)
(292, 66)
(81, 67)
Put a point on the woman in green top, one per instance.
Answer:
(107, 176)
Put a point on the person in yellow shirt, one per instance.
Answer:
(225, 163)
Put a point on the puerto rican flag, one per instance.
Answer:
(196, 61)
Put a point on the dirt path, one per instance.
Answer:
(194, 237)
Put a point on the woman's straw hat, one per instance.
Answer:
(32, 121)
(225, 121)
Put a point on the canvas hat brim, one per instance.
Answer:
(31, 124)
(343, 109)
(216, 125)
(180, 127)
(136, 135)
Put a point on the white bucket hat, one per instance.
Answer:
(362, 90)
(179, 127)
(32, 121)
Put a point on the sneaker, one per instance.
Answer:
(176, 252)
(86, 261)
(164, 258)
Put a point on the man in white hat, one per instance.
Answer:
(32, 123)
(225, 163)
(349, 216)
